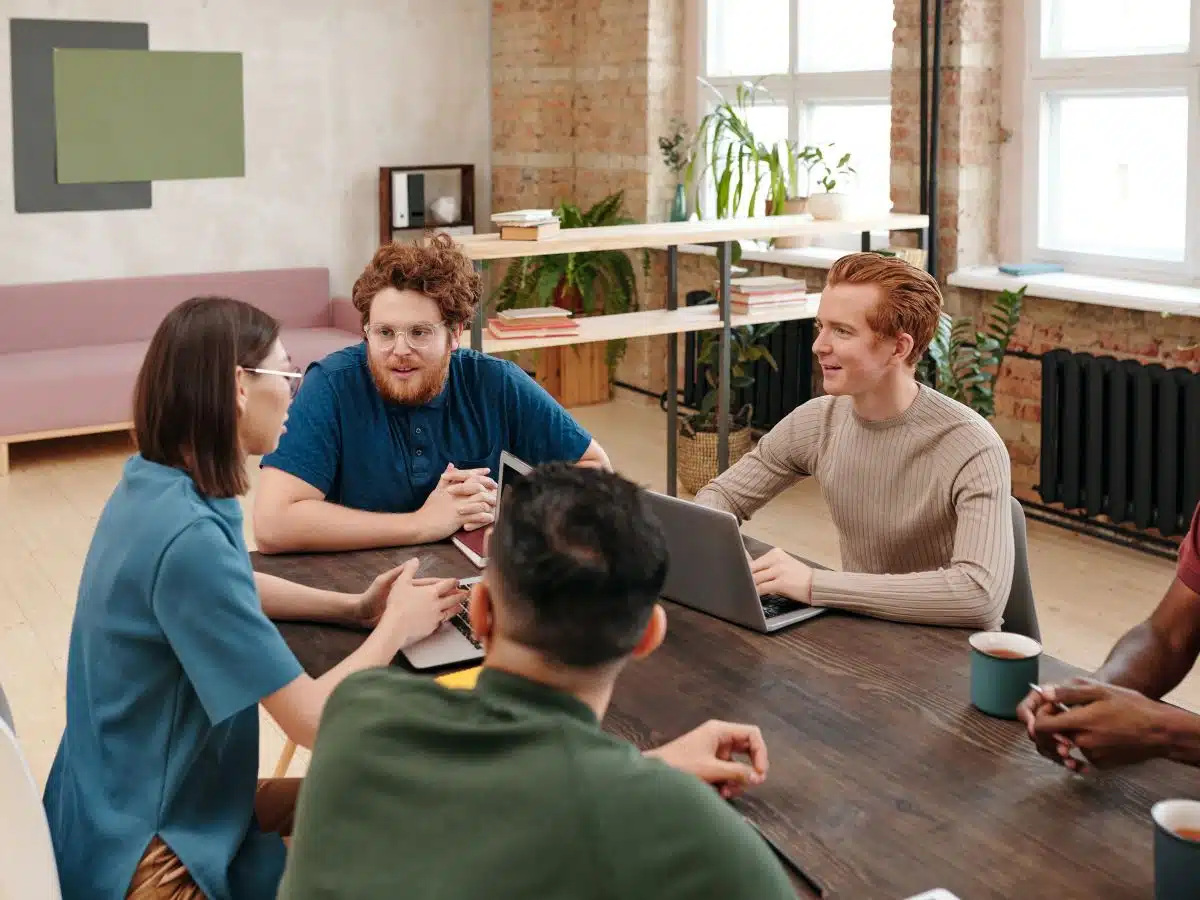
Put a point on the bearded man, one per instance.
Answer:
(396, 440)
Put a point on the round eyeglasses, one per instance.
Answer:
(419, 337)
(293, 378)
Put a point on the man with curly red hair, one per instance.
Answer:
(394, 440)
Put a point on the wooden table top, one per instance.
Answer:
(884, 781)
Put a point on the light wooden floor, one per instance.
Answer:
(1088, 592)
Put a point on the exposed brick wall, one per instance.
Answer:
(969, 129)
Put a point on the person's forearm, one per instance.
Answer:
(283, 600)
(317, 525)
(1144, 661)
(377, 650)
(949, 597)
(1182, 730)
(747, 485)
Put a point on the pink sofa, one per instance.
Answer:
(70, 351)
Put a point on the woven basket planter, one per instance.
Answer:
(697, 456)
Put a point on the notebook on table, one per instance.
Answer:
(471, 543)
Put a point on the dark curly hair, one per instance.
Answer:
(439, 270)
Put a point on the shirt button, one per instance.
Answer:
(418, 431)
(418, 453)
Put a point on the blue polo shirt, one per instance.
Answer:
(170, 653)
(363, 451)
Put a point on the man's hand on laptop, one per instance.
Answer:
(463, 498)
(777, 572)
(708, 753)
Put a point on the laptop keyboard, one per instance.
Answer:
(776, 605)
(464, 627)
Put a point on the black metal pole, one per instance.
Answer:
(935, 104)
(672, 371)
(924, 201)
(725, 255)
(480, 313)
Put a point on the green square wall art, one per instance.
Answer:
(144, 115)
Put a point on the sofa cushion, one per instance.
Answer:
(49, 390)
(63, 315)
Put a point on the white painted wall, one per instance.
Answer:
(333, 90)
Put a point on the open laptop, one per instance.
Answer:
(708, 569)
(454, 642)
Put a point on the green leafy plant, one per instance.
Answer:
(676, 147)
(746, 349)
(587, 282)
(963, 363)
(831, 172)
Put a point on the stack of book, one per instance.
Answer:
(526, 224)
(534, 322)
(759, 291)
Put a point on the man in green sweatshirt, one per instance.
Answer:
(513, 790)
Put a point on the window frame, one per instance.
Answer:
(1100, 75)
(796, 90)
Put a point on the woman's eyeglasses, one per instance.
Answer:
(293, 377)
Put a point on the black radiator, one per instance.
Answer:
(1121, 439)
(774, 394)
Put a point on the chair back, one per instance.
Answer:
(27, 866)
(1020, 615)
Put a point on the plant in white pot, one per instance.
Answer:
(832, 203)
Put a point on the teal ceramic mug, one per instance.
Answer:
(1176, 849)
(1003, 666)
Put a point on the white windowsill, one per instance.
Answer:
(1146, 296)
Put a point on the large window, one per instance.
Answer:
(1112, 93)
(825, 69)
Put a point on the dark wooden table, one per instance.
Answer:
(884, 781)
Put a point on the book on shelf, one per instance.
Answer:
(760, 299)
(534, 312)
(550, 323)
(764, 284)
(510, 332)
(523, 216)
(528, 232)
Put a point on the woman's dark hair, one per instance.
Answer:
(184, 403)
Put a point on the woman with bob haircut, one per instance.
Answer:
(154, 790)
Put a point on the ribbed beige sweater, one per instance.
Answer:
(921, 504)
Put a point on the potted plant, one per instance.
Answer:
(697, 464)
(785, 181)
(963, 363)
(676, 151)
(832, 204)
(591, 282)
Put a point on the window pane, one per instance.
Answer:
(1114, 177)
(844, 35)
(749, 37)
(863, 130)
(1114, 27)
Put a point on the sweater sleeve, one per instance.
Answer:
(969, 593)
(786, 454)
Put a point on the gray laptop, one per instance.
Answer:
(454, 642)
(708, 569)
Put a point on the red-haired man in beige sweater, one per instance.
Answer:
(918, 484)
